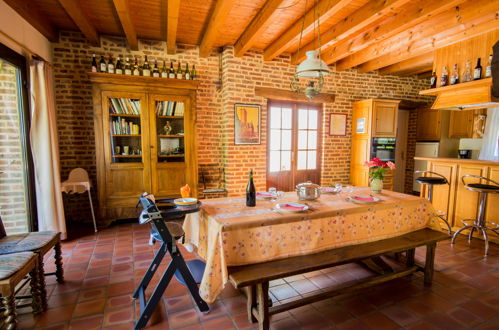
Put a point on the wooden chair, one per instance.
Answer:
(14, 268)
(39, 243)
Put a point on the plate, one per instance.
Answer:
(291, 207)
(329, 190)
(264, 195)
(185, 201)
(363, 199)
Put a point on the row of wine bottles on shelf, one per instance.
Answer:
(466, 76)
(146, 70)
(122, 127)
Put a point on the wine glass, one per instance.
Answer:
(273, 193)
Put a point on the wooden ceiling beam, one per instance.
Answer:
(425, 60)
(172, 25)
(460, 33)
(259, 23)
(426, 32)
(425, 75)
(416, 71)
(215, 23)
(123, 11)
(32, 16)
(326, 8)
(74, 11)
(364, 17)
(409, 17)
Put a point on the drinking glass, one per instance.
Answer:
(338, 187)
(273, 192)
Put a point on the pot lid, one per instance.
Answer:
(307, 184)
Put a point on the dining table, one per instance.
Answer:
(227, 233)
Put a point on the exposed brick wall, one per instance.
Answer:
(411, 151)
(12, 196)
(224, 81)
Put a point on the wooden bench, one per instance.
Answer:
(254, 279)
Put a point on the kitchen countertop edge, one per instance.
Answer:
(458, 160)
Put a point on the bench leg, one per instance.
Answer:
(36, 290)
(41, 283)
(409, 259)
(262, 296)
(9, 311)
(429, 263)
(250, 292)
(59, 271)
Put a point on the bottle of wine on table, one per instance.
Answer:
(250, 191)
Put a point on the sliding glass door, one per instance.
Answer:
(17, 207)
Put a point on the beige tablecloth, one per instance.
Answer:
(227, 233)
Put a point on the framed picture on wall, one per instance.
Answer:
(338, 124)
(246, 124)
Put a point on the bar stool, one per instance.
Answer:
(479, 223)
(431, 181)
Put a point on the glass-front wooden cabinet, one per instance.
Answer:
(145, 140)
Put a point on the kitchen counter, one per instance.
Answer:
(459, 161)
(454, 199)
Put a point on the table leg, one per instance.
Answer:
(250, 292)
(262, 297)
(409, 261)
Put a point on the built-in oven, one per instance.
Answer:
(383, 148)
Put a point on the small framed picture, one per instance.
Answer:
(338, 124)
(246, 124)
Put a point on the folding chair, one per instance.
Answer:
(151, 214)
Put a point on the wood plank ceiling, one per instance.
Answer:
(392, 36)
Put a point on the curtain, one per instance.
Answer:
(490, 143)
(45, 148)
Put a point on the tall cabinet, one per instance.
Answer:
(371, 118)
(145, 139)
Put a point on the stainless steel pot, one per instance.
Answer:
(308, 191)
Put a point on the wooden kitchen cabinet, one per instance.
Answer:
(467, 124)
(385, 114)
(428, 125)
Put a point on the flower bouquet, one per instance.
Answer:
(377, 172)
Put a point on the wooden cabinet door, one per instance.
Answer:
(466, 206)
(384, 119)
(172, 147)
(461, 124)
(126, 149)
(492, 210)
(428, 125)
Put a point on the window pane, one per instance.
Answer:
(312, 157)
(287, 115)
(302, 119)
(275, 117)
(302, 160)
(286, 139)
(275, 139)
(285, 160)
(274, 162)
(312, 119)
(302, 139)
(312, 139)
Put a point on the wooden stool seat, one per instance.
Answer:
(13, 269)
(431, 180)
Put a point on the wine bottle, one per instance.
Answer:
(250, 191)
(119, 67)
(488, 69)
(433, 80)
(179, 71)
(187, 74)
(128, 68)
(171, 73)
(136, 69)
(94, 63)
(155, 71)
(193, 72)
(102, 64)
(454, 78)
(445, 77)
(467, 72)
(110, 65)
(477, 73)
(164, 71)
(146, 69)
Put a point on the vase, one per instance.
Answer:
(376, 185)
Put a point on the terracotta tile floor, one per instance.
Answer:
(102, 270)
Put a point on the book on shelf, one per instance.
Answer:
(123, 106)
(121, 127)
(170, 108)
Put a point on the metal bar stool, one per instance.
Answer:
(430, 181)
(480, 223)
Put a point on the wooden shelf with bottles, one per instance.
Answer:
(137, 151)
(481, 83)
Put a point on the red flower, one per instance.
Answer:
(377, 161)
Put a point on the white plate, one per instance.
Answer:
(281, 205)
(185, 201)
(329, 190)
(353, 200)
(263, 197)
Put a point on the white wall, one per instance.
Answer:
(20, 30)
